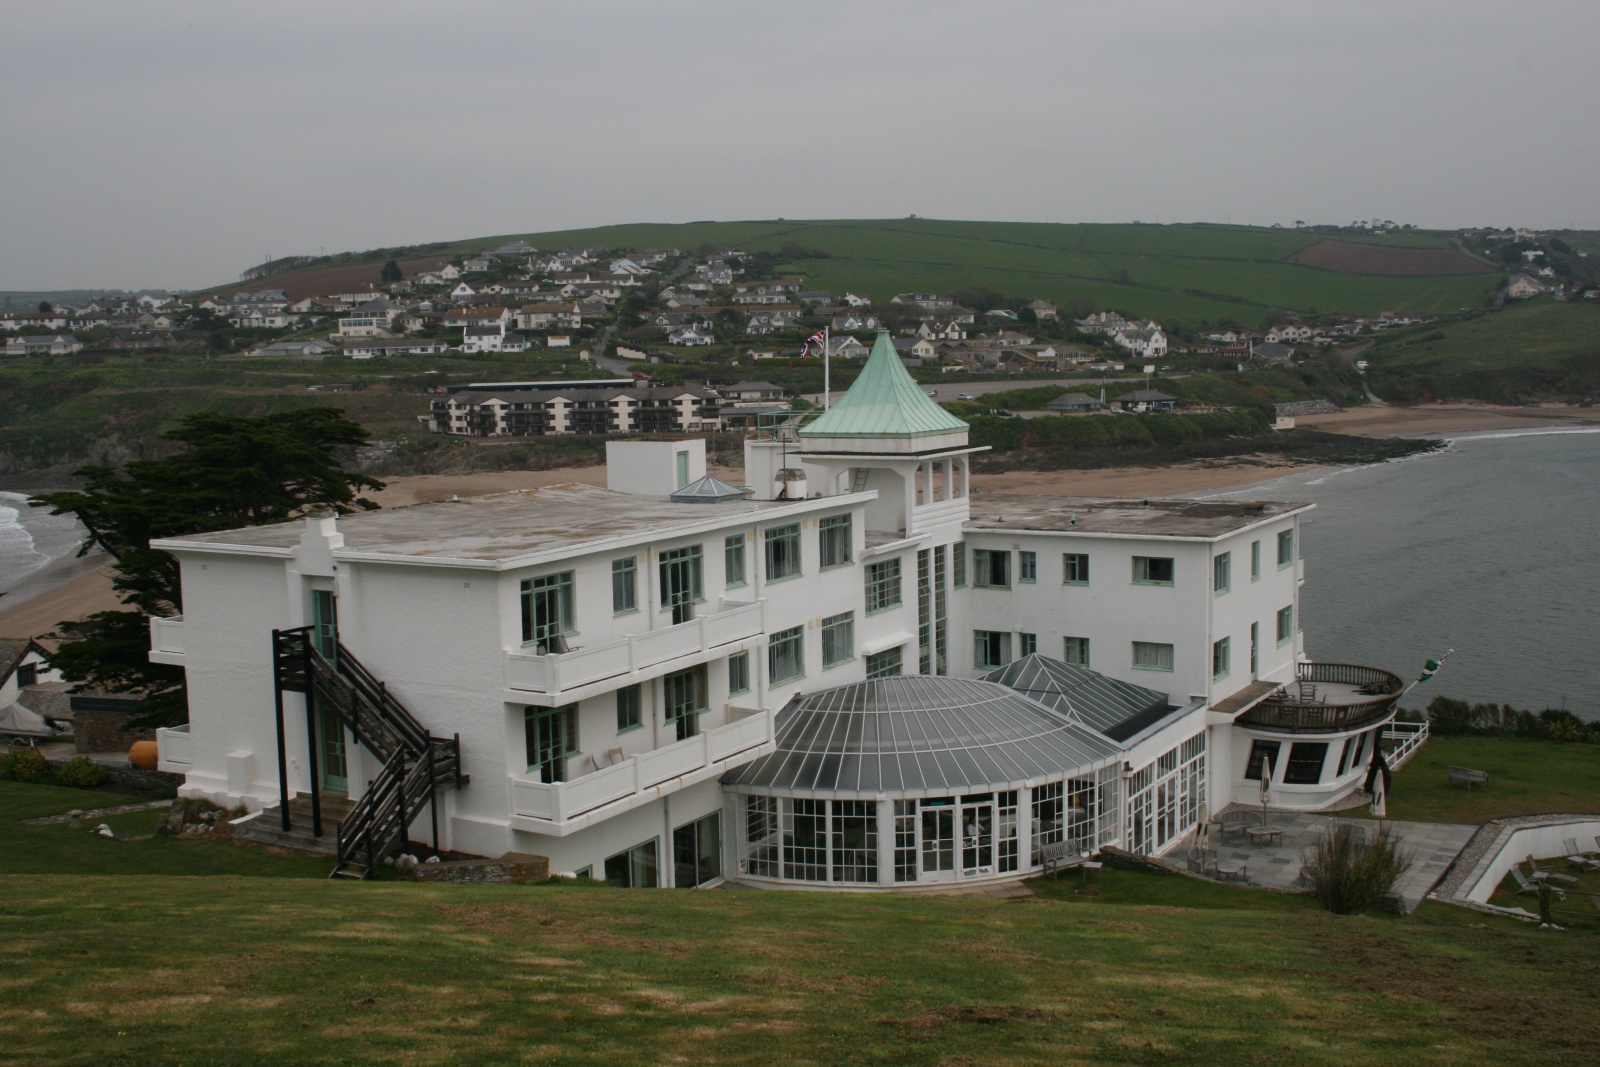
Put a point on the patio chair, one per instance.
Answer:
(1533, 865)
(1577, 858)
(1307, 691)
(1528, 885)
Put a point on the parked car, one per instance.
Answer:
(965, 396)
(1004, 414)
(933, 392)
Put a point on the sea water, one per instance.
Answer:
(30, 539)
(1488, 547)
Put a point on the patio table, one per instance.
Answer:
(1265, 834)
(1233, 871)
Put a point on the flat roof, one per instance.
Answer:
(506, 527)
(1203, 519)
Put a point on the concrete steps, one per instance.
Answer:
(266, 828)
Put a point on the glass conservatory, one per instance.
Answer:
(916, 780)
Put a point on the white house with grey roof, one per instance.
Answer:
(845, 672)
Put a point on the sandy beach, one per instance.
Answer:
(73, 589)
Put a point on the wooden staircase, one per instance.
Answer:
(415, 763)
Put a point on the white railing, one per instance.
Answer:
(560, 801)
(166, 635)
(1406, 737)
(173, 750)
(562, 671)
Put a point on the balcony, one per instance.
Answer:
(1327, 697)
(166, 641)
(561, 673)
(174, 752)
(562, 807)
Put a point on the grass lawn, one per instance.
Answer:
(248, 971)
(1526, 777)
(59, 849)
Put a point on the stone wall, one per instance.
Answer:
(121, 778)
(101, 730)
(514, 868)
(1305, 407)
(1116, 857)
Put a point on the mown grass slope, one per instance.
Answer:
(1180, 274)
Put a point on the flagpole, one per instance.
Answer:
(827, 380)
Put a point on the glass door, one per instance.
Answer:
(552, 737)
(1255, 649)
(938, 840)
(325, 623)
(331, 751)
(680, 582)
(977, 835)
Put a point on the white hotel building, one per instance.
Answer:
(854, 673)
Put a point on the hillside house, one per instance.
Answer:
(1074, 404)
(49, 344)
(693, 333)
(1144, 401)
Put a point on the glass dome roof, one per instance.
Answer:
(918, 734)
(1114, 708)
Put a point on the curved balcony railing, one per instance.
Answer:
(1328, 696)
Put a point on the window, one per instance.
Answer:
(1027, 644)
(1152, 570)
(697, 852)
(1027, 566)
(1263, 754)
(635, 868)
(1285, 623)
(1075, 650)
(1221, 572)
(958, 564)
(733, 560)
(630, 705)
(1305, 763)
(905, 840)
(885, 664)
(990, 648)
(551, 737)
(786, 656)
(783, 551)
(855, 841)
(1344, 756)
(1049, 816)
(1285, 548)
(1150, 656)
(547, 611)
(27, 674)
(761, 835)
(739, 673)
(883, 585)
(991, 569)
(805, 834)
(684, 696)
(681, 582)
(1255, 561)
(833, 538)
(624, 586)
(1219, 658)
(838, 638)
(1006, 831)
(1074, 568)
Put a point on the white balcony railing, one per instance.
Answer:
(643, 776)
(560, 672)
(166, 640)
(174, 753)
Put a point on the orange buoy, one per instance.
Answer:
(144, 754)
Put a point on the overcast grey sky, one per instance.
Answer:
(149, 144)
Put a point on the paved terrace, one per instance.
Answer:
(1434, 845)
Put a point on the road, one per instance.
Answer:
(624, 367)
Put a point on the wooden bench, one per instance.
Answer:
(1467, 776)
(1060, 856)
(1235, 823)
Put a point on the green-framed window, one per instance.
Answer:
(734, 573)
(634, 868)
(630, 708)
(551, 736)
(1285, 548)
(739, 673)
(685, 698)
(1285, 624)
(991, 648)
(1075, 650)
(1154, 570)
(991, 569)
(838, 638)
(883, 585)
(547, 608)
(886, 664)
(1221, 572)
(833, 541)
(1152, 656)
(1221, 653)
(624, 585)
(1074, 568)
(1027, 566)
(786, 655)
(782, 545)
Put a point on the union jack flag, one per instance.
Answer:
(814, 339)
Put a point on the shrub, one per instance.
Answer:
(1349, 874)
(81, 772)
(24, 765)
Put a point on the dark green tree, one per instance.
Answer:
(233, 471)
(390, 273)
(45, 308)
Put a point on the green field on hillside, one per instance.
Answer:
(1180, 274)
(1529, 351)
